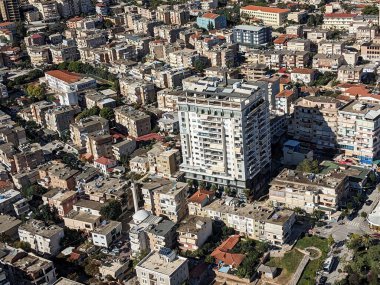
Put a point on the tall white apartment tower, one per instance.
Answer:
(225, 131)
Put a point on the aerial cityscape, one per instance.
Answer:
(189, 142)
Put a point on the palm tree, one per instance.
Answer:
(366, 241)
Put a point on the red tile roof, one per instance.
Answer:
(265, 9)
(75, 19)
(222, 254)
(68, 77)
(359, 90)
(105, 161)
(6, 24)
(200, 196)
(285, 93)
(303, 70)
(340, 15)
(210, 16)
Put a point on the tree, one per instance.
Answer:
(142, 254)
(318, 214)
(370, 10)
(308, 166)
(36, 91)
(92, 268)
(46, 213)
(202, 185)
(24, 245)
(214, 187)
(330, 240)
(210, 26)
(209, 259)
(94, 111)
(71, 237)
(107, 113)
(199, 65)
(112, 210)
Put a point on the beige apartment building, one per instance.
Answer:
(315, 121)
(137, 91)
(60, 118)
(99, 145)
(62, 200)
(327, 62)
(330, 47)
(163, 161)
(255, 221)
(135, 122)
(307, 191)
(39, 110)
(57, 175)
(193, 232)
(371, 51)
(350, 74)
(268, 15)
(165, 197)
(83, 221)
(167, 99)
(80, 130)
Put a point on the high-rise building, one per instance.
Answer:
(10, 10)
(225, 131)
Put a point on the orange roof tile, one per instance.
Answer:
(265, 9)
(340, 15)
(210, 16)
(68, 77)
(75, 19)
(200, 196)
(359, 90)
(285, 93)
(104, 160)
(222, 254)
(303, 70)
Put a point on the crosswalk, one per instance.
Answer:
(355, 224)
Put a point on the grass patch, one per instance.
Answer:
(309, 274)
(288, 263)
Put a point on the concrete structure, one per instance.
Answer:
(61, 200)
(211, 21)
(80, 130)
(218, 120)
(106, 233)
(56, 174)
(193, 232)
(252, 35)
(81, 221)
(135, 122)
(308, 191)
(42, 238)
(294, 154)
(351, 74)
(338, 20)
(9, 227)
(163, 161)
(59, 119)
(10, 10)
(358, 130)
(269, 16)
(161, 235)
(164, 266)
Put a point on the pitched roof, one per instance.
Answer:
(285, 93)
(303, 70)
(68, 77)
(104, 160)
(221, 253)
(265, 9)
(210, 16)
(200, 196)
(340, 15)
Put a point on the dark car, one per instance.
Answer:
(368, 202)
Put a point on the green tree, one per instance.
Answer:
(330, 240)
(24, 245)
(47, 214)
(94, 111)
(112, 210)
(71, 237)
(364, 215)
(199, 65)
(370, 10)
(36, 91)
(309, 166)
(214, 187)
(209, 259)
(210, 26)
(139, 257)
(107, 113)
(202, 185)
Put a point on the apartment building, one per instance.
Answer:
(298, 45)
(139, 164)
(10, 10)
(61, 200)
(39, 55)
(330, 47)
(163, 161)
(309, 192)
(341, 21)
(218, 121)
(255, 221)
(165, 197)
(105, 234)
(42, 238)
(165, 266)
(358, 131)
(80, 130)
(62, 53)
(133, 121)
(198, 200)
(99, 145)
(371, 50)
(268, 15)
(38, 111)
(193, 232)
(161, 235)
(315, 121)
(48, 10)
(56, 174)
(283, 101)
(124, 148)
(251, 36)
(327, 62)
(13, 134)
(137, 91)
(167, 99)
(304, 75)
(211, 21)
(59, 119)
(9, 226)
(26, 268)
(83, 221)
(29, 157)
(350, 74)
(7, 199)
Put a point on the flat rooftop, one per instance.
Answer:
(40, 228)
(105, 229)
(8, 222)
(370, 110)
(65, 281)
(156, 263)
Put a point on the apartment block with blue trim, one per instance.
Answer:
(217, 21)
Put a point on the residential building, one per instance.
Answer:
(105, 165)
(80, 130)
(255, 221)
(163, 161)
(39, 109)
(350, 74)
(283, 101)
(268, 15)
(81, 221)
(30, 157)
(169, 123)
(98, 145)
(139, 92)
(135, 122)
(215, 139)
(139, 164)
(298, 45)
(61, 200)
(123, 149)
(211, 21)
(304, 75)
(315, 121)
(198, 200)
(116, 269)
(252, 35)
(338, 20)
(56, 174)
(21, 207)
(165, 266)
(163, 197)
(105, 234)
(42, 238)
(60, 118)
(294, 153)
(358, 130)
(26, 268)
(193, 232)
(161, 235)
(48, 10)
(65, 281)
(9, 227)
(327, 62)
(10, 10)
(330, 47)
(309, 192)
